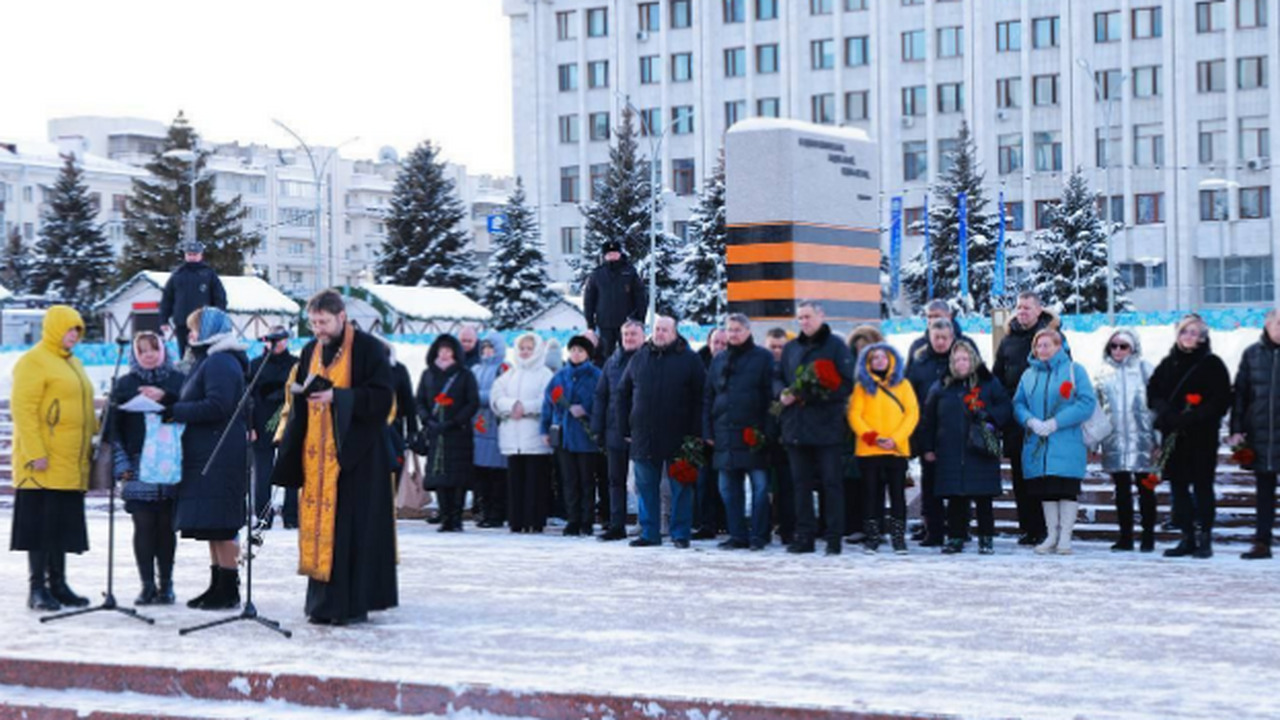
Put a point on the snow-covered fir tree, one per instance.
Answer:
(961, 176)
(72, 260)
(14, 261)
(156, 213)
(669, 256)
(1071, 253)
(619, 209)
(425, 244)
(517, 285)
(702, 284)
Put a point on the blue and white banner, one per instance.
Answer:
(895, 247)
(963, 219)
(997, 283)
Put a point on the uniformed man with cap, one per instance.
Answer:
(613, 294)
(193, 285)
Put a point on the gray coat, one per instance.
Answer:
(1122, 391)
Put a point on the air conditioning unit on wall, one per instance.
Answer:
(1258, 163)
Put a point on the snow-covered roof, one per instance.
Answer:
(428, 303)
(760, 124)
(245, 295)
(47, 154)
(4, 293)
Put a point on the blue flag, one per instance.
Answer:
(963, 217)
(895, 247)
(997, 283)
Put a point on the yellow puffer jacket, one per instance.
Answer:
(52, 407)
(872, 410)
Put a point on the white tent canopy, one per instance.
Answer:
(253, 304)
(417, 310)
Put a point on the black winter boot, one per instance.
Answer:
(870, 537)
(165, 594)
(1259, 551)
(39, 598)
(986, 545)
(149, 594)
(1185, 547)
(226, 593)
(954, 546)
(198, 601)
(58, 588)
(898, 535)
(1204, 543)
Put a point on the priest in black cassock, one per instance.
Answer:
(334, 447)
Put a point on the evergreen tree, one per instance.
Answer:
(669, 257)
(702, 284)
(14, 264)
(1072, 254)
(156, 213)
(620, 210)
(518, 284)
(962, 176)
(426, 245)
(72, 260)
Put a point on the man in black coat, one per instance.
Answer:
(815, 426)
(659, 408)
(1255, 422)
(926, 365)
(604, 424)
(935, 310)
(612, 294)
(275, 363)
(191, 286)
(784, 490)
(708, 505)
(1012, 360)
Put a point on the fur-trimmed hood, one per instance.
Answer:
(980, 374)
(867, 380)
(1132, 338)
(1046, 320)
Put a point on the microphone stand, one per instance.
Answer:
(108, 597)
(249, 611)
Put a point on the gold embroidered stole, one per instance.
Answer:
(318, 499)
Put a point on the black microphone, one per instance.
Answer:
(122, 340)
(276, 336)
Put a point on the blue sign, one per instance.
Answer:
(895, 247)
(497, 224)
(962, 215)
(997, 283)
(928, 247)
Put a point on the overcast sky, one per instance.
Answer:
(393, 72)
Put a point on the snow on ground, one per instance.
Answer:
(1094, 635)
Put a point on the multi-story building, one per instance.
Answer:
(1157, 100)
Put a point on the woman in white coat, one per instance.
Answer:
(516, 398)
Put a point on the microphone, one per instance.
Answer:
(275, 336)
(123, 340)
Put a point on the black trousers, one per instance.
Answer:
(527, 480)
(604, 502)
(1193, 500)
(578, 479)
(609, 339)
(617, 460)
(709, 513)
(1266, 506)
(814, 467)
(958, 517)
(931, 506)
(1124, 482)
(450, 500)
(1030, 510)
(154, 541)
(264, 459)
(784, 498)
(491, 485)
(883, 473)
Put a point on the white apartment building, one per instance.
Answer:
(1186, 85)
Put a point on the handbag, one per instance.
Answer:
(1098, 427)
(161, 462)
(556, 436)
(102, 467)
(411, 497)
(977, 440)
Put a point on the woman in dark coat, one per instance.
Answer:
(948, 422)
(567, 404)
(211, 505)
(151, 373)
(447, 427)
(1190, 393)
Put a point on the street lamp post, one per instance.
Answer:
(1107, 100)
(1222, 211)
(317, 172)
(189, 157)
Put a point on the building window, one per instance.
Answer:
(1045, 90)
(1255, 138)
(824, 108)
(650, 70)
(1117, 208)
(1143, 277)
(854, 5)
(947, 149)
(1148, 23)
(857, 51)
(1251, 73)
(1213, 141)
(822, 54)
(680, 229)
(734, 110)
(1148, 145)
(1010, 153)
(914, 100)
(915, 160)
(682, 177)
(766, 9)
(682, 67)
(1009, 36)
(599, 172)
(598, 74)
(1251, 13)
(1044, 212)
(735, 62)
(1107, 84)
(598, 22)
(820, 7)
(29, 230)
(735, 11)
(681, 14)
(118, 202)
(951, 97)
(568, 77)
(1106, 26)
(1211, 16)
(1255, 203)
(767, 59)
(1048, 149)
(913, 45)
(1013, 216)
(950, 42)
(1213, 205)
(650, 18)
(1044, 32)
(570, 241)
(682, 119)
(769, 107)
(1148, 208)
(857, 105)
(1105, 144)
(599, 126)
(569, 192)
(1009, 92)
(913, 220)
(1247, 280)
(568, 128)
(906, 3)
(1146, 82)
(567, 25)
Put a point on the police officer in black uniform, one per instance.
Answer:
(191, 286)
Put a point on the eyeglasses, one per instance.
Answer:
(1120, 346)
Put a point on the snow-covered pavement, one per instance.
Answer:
(1094, 635)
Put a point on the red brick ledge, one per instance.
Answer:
(37, 712)
(394, 697)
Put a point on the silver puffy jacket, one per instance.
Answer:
(1122, 392)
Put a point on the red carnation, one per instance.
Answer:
(828, 376)
(750, 437)
(481, 426)
(1150, 481)
(870, 437)
(1065, 390)
(683, 472)
(1243, 455)
(557, 392)
(1194, 399)
(443, 400)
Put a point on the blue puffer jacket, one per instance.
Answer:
(487, 454)
(579, 386)
(1040, 395)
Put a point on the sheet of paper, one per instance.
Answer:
(143, 404)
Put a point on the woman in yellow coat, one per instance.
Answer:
(54, 426)
(883, 412)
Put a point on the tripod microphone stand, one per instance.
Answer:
(249, 611)
(108, 597)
